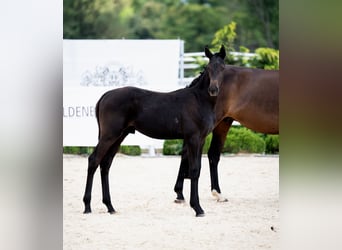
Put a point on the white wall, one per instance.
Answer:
(91, 67)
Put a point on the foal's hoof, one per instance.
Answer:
(111, 210)
(87, 211)
(200, 215)
(179, 201)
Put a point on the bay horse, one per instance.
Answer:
(186, 114)
(249, 96)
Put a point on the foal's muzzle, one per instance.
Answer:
(213, 89)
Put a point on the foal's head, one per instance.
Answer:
(215, 67)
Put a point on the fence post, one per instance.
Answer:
(181, 62)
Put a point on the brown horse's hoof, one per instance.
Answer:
(218, 196)
(87, 212)
(111, 212)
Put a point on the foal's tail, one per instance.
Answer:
(97, 107)
(97, 116)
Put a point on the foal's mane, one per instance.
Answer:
(197, 79)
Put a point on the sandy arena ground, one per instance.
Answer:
(147, 217)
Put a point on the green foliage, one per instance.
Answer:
(144, 21)
(243, 140)
(172, 147)
(240, 60)
(266, 58)
(207, 144)
(225, 36)
(239, 140)
(193, 21)
(272, 144)
(258, 22)
(78, 150)
(201, 65)
(130, 150)
(95, 19)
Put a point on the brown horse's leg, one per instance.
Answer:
(105, 166)
(214, 153)
(182, 174)
(93, 162)
(194, 149)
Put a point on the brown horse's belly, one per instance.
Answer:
(265, 128)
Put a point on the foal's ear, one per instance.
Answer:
(207, 52)
(222, 52)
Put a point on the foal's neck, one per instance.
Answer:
(202, 88)
(203, 81)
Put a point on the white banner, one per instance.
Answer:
(92, 67)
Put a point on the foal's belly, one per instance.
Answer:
(158, 134)
(160, 128)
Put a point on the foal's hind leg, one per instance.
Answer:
(105, 166)
(182, 174)
(93, 162)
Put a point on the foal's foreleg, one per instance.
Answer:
(194, 157)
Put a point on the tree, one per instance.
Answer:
(267, 18)
(96, 19)
(225, 36)
(78, 18)
(194, 21)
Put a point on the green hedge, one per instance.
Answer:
(78, 150)
(207, 144)
(128, 150)
(172, 147)
(243, 140)
(239, 140)
(272, 144)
